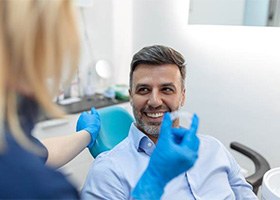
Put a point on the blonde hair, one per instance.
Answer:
(38, 40)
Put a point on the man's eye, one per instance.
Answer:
(168, 90)
(143, 90)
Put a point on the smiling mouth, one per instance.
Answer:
(155, 115)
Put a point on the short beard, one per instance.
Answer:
(150, 129)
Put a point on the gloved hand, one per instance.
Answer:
(176, 152)
(89, 122)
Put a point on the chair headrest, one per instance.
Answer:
(115, 125)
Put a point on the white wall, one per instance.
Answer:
(233, 74)
(106, 33)
(217, 12)
(122, 38)
(96, 38)
(234, 84)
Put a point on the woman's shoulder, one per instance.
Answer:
(25, 175)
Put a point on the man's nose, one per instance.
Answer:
(154, 99)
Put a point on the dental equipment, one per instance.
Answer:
(186, 117)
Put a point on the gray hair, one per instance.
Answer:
(158, 55)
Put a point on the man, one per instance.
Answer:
(157, 86)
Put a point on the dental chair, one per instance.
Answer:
(260, 163)
(115, 125)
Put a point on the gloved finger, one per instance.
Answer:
(95, 113)
(195, 123)
(181, 133)
(83, 115)
(93, 110)
(190, 139)
(166, 126)
(79, 122)
(178, 134)
(195, 143)
(193, 133)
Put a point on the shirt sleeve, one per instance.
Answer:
(44, 155)
(104, 181)
(241, 188)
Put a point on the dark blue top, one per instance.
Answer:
(23, 174)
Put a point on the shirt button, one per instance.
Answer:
(149, 144)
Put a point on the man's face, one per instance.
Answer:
(155, 89)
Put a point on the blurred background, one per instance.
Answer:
(232, 53)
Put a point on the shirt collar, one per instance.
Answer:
(140, 141)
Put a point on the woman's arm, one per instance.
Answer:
(64, 148)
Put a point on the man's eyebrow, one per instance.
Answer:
(141, 85)
(168, 84)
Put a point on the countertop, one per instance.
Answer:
(97, 101)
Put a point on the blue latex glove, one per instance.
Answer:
(175, 153)
(89, 122)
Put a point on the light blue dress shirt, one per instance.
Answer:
(215, 175)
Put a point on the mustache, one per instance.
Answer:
(152, 109)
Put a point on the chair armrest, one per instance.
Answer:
(260, 163)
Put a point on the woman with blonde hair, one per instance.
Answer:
(38, 44)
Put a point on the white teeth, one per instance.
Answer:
(154, 115)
